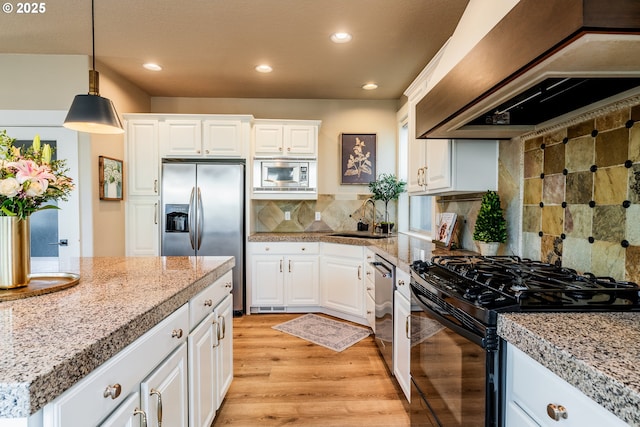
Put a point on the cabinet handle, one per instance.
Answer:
(556, 412)
(222, 325)
(143, 416)
(304, 249)
(155, 186)
(359, 272)
(206, 151)
(400, 282)
(280, 148)
(369, 312)
(112, 391)
(288, 148)
(280, 266)
(159, 410)
(228, 285)
(155, 213)
(368, 273)
(176, 333)
(208, 303)
(267, 248)
(289, 266)
(406, 327)
(217, 334)
(369, 288)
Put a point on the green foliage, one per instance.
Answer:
(490, 224)
(387, 187)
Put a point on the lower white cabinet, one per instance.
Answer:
(531, 390)
(128, 414)
(224, 350)
(163, 394)
(342, 278)
(402, 333)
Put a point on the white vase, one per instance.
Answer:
(488, 248)
(112, 190)
(15, 252)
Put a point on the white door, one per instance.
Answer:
(48, 126)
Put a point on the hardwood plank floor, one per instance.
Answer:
(281, 380)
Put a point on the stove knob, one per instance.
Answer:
(472, 293)
(486, 297)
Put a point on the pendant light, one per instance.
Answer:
(93, 113)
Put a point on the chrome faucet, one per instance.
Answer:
(373, 216)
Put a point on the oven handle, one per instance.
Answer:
(382, 269)
(477, 339)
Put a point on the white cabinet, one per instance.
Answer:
(370, 289)
(461, 166)
(204, 136)
(531, 388)
(224, 350)
(278, 138)
(163, 393)
(401, 333)
(202, 373)
(142, 231)
(342, 278)
(128, 414)
(417, 159)
(141, 158)
(284, 274)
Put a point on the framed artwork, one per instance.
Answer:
(446, 229)
(358, 158)
(110, 178)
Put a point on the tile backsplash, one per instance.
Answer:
(581, 196)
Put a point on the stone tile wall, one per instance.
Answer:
(581, 196)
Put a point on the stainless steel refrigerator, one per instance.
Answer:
(203, 213)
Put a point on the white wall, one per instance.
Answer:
(338, 116)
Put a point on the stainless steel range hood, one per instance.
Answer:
(541, 63)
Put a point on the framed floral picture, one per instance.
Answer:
(110, 178)
(358, 158)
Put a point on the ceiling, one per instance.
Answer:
(209, 48)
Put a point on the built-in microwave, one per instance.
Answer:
(284, 175)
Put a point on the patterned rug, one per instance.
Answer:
(328, 333)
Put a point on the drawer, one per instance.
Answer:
(371, 311)
(204, 302)
(402, 283)
(284, 248)
(343, 251)
(84, 404)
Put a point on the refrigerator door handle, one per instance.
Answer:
(191, 216)
(200, 218)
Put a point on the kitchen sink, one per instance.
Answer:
(360, 235)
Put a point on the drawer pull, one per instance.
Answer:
(369, 312)
(143, 416)
(369, 288)
(159, 413)
(222, 326)
(208, 303)
(176, 333)
(112, 391)
(400, 282)
(556, 412)
(217, 333)
(406, 327)
(228, 285)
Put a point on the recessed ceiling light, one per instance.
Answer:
(264, 68)
(341, 37)
(151, 66)
(369, 86)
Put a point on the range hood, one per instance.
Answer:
(538, 65)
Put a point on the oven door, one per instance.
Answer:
(454, 377)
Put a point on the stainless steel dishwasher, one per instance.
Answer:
(384, 287)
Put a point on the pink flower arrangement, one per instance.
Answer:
(29, 178)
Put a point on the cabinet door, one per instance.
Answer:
(402, 342)
(142, 158)
(164, 393)
(342, 284)
(224, 350)
(267, 279)
(301, 280)
(300, 139)
(128, 414)
(439, 164)
(222, 138)
(416, 178)
(202, 373)
(269, 139)
(141, 227)
(181, 138)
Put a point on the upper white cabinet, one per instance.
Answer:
(461, 166)
(277, 138)
(204, 136)
(143, 165)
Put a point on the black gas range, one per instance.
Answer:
(462, 296)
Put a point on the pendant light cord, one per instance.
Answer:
(93, 39)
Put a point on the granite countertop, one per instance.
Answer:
(49, 342)
(598, 353)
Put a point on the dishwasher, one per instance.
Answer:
(384, 287)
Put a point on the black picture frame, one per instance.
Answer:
(358, 158)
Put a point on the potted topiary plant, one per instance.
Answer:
(386, 188)
(491, 228)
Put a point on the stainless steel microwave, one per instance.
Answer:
(285, 175)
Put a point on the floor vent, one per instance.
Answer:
(272, 309)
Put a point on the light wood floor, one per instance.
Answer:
(281, 380)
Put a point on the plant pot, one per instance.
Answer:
(488, 248)
(386, 228)
(15, 252)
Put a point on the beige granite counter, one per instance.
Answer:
(49, 342)
(598, 353)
